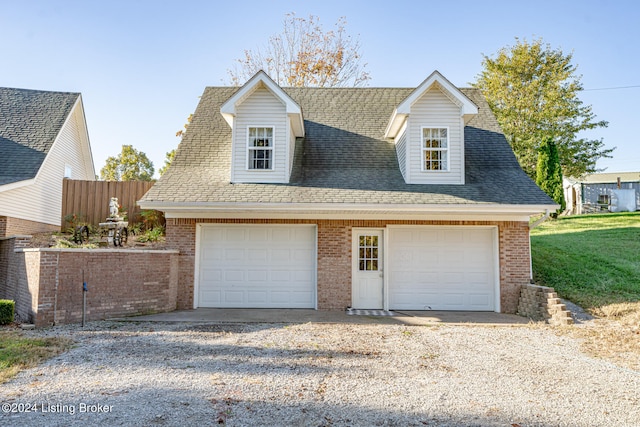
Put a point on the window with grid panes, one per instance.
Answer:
(435, 149)
(368, 253)
(260, 148)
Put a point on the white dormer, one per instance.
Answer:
(428, 129)
(265, 122)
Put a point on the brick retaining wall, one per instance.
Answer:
(47, 283)
(542, 303)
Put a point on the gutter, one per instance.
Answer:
(546, 216)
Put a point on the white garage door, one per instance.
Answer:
(258, 266)
(441, 268)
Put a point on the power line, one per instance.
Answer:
(612, 88)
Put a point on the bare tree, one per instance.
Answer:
(304, 55)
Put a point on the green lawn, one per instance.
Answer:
(592, 260)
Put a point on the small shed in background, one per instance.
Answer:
(612, 191)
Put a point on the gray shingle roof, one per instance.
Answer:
(30, 120)
(344, 157)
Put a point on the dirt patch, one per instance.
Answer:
(614, 335)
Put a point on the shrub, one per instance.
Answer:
(152, 235)
(7, 309)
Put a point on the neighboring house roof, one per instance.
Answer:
(608, 178)
(30, 120)
(343, 158)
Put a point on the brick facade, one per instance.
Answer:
(47, 283)
(10, 226)
(334, 255)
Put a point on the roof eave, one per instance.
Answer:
(463, 208)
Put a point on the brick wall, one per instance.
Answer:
(3, 226)
(47, 283)
(13, 282)
(334, 256)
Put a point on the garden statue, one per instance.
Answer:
(116, 226)
(113, 207)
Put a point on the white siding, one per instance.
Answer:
(42, 200)
(261, 109)
(401, 152)
(435, 109)
(292, 148)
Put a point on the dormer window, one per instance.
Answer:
(435, 149)
(260, 148)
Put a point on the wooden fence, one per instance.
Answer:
(89, 200)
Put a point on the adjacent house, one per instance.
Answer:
(327, 198)
(43, 139)
(614, 191)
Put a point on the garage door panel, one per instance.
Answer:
(442, 268)
(257, 266)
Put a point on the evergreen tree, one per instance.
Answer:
(549, 172)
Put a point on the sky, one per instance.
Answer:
(142, 65)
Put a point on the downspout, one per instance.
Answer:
(545, 217)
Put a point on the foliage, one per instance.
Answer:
(533, 91)
(181, 132)
(153, 235)
(151, 218)
(304, 55)
(18, 352)
(168, 160)
(63, 243)
(549, 172)
(129, 165)
(7, 309)
(591, 260)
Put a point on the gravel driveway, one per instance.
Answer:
(321, 375)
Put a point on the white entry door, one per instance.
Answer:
(367, 284)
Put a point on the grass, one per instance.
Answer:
(18, 352)
(594, 261)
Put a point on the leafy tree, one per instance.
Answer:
(533, 91)
(167, 161)
(304, 55)
(129, 165)
(549, 172)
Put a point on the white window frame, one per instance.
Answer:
(251, 148)
(68, 171)
(424, 149)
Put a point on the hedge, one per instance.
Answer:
(7, 308)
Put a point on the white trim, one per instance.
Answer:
(196, 267)
(229, 107)
(198, 243)
(496, 252)
(18, 184)
(233, 150)
(196, 209)
(467, 108)
(340, 215)
(271, 148)
(423, 150)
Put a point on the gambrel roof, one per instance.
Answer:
(343, 160)
(30, 121)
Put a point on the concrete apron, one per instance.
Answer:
(236, 315)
